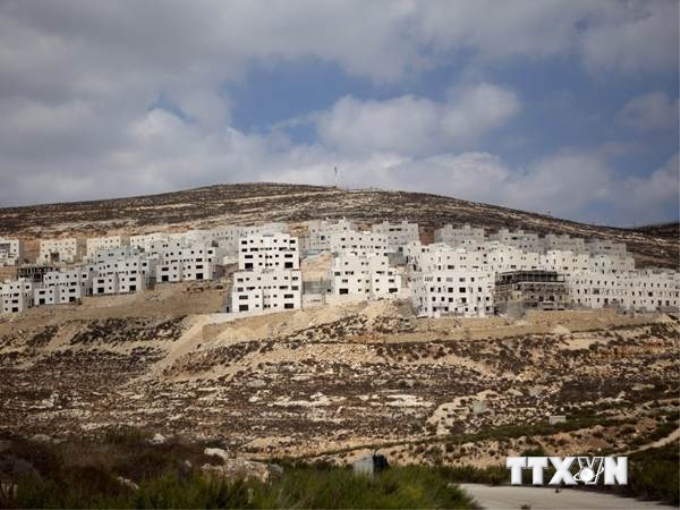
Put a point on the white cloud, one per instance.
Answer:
(417, 126)
(650, 111)
(82, 82)
(633, 37)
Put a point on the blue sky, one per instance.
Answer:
(568, 107)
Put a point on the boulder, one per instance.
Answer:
(236, 469)
(217, 452)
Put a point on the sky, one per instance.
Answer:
(566, 107)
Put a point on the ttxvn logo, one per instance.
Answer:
(570, 470)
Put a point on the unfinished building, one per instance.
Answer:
(516, 291)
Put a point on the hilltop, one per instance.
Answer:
(241, 204)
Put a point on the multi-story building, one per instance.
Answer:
(576, 245)
(565, 262)
(263, 252)
(16, 296)
(94, 244)
(365, 277)
(525, 241)
(264, 292)
(597, 246)
(655, 289)
(458, 236)
(169, 272)
(614, 263)
(319, 233)
(397, 234)
(105, 284)
(589, 289)
(46, 296)
(53, 251)
(11, 251)
(71, 285)
(145, 241)
(509, 258)
(364, 244)
(543, 290)
(467, 293)
(442, 257)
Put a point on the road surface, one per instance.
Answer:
(508, 497)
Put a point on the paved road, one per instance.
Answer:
(508, 497)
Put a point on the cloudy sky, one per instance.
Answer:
(568, 107)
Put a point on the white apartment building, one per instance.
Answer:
(654, 289)
(16, 296)
(134, 273)
(597, 290)
(60, 250)
(319, 233)
(565, 261)
(71, 285)
(264, 292)
(597, 246)
(467, 293)
(645, 290)
(509, 258)
(526, 241)
(46, 296)
(611, 263)
(263, 252)
(397, 234)
(94, 244)
(553, 242)
(103, 284)
(114, 254)
(364, 244)
(267, 228)
(459, 236)
(145, 241)
(442, 257)
(169, 272)
(11, 251)
(227, 239)
(364, 277)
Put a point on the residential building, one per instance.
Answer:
(54, 251)
(94, 244)
(543, 290)
(11, 251)
(397, 234)
(448, 292)
(16, 295)
(458, 236)
(261, 252)
(319, 233)
(525, 241)
(364, 277)
(363, 244)
(264, 292)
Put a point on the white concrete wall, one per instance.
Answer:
(468, 293)
(61, 250)
(458, 236)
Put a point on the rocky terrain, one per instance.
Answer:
(333, 383)
(252, 203)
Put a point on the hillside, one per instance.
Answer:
(251, 203)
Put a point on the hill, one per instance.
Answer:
(249, 203)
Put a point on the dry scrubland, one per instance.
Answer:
(326, 385)
(334, 383)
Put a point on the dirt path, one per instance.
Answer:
(670, 438)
